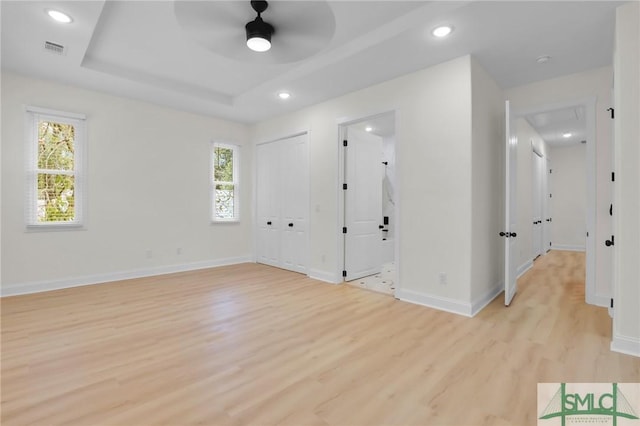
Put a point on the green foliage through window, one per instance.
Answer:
(223, 164)
(56, 172)
(225, 186)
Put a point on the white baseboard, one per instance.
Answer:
(522, 269)
(325, 276)
(480, 303)
(567, 247)
(626, 345)
(598, 300)
(40, 286)
(436, 302)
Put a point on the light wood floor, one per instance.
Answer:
(254, 345)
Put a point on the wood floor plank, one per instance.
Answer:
(251, 344)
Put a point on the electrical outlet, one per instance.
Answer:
(442, 277)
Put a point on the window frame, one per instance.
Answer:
(33, 116)
(236, 181)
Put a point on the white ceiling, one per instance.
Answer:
(554, 124)
(191, 55)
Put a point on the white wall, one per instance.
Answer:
(148, 171)
(433, 173)
(594, 83)
(435, 177)
(626, 321)
(569, 197)
(527, 139)
(487, 182)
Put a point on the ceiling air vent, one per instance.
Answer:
(56, 48)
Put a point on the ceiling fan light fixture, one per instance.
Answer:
(259, 32)
(284, 95)
(258, 44)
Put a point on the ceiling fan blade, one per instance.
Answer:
(302, 28)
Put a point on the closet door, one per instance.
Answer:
(282, 203)
(295, 201)
(268, 204)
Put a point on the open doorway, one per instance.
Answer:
(557, 184)
(368, 202)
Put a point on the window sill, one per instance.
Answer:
(223, 221)
(55, 227)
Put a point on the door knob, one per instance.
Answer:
(380, 226)
(503, 234)
(513, 234)
(291, 225)
(269, 223)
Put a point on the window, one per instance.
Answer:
(54, 194)
(224, 183)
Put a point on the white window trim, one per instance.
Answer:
(33, 115)
(235, 183)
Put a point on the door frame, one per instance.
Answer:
(254, 191)
(546, 230)
(539, 198)
(342, 124)
(589, 104)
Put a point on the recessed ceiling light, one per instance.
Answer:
(368, 129)
(566, 135)
(542, 59)
(58, 16)
(442, 31)
(284, 95)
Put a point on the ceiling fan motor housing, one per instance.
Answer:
(259, 28)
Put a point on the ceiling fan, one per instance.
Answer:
(226, 28)
(259, 32)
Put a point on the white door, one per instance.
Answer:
(536, 180)
(268, 204)
(509, 234)
(547, 207)
(363, 204)
(294, 203)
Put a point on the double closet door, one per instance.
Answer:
(283, 203)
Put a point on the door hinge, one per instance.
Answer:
(610, 209)
(344, 229)
(613, 176)
(587, 233)
(344, 273)
(550, 171)
(611, 303)
(612, 112)
(550, 195)
(344, 186)
(344, 143)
